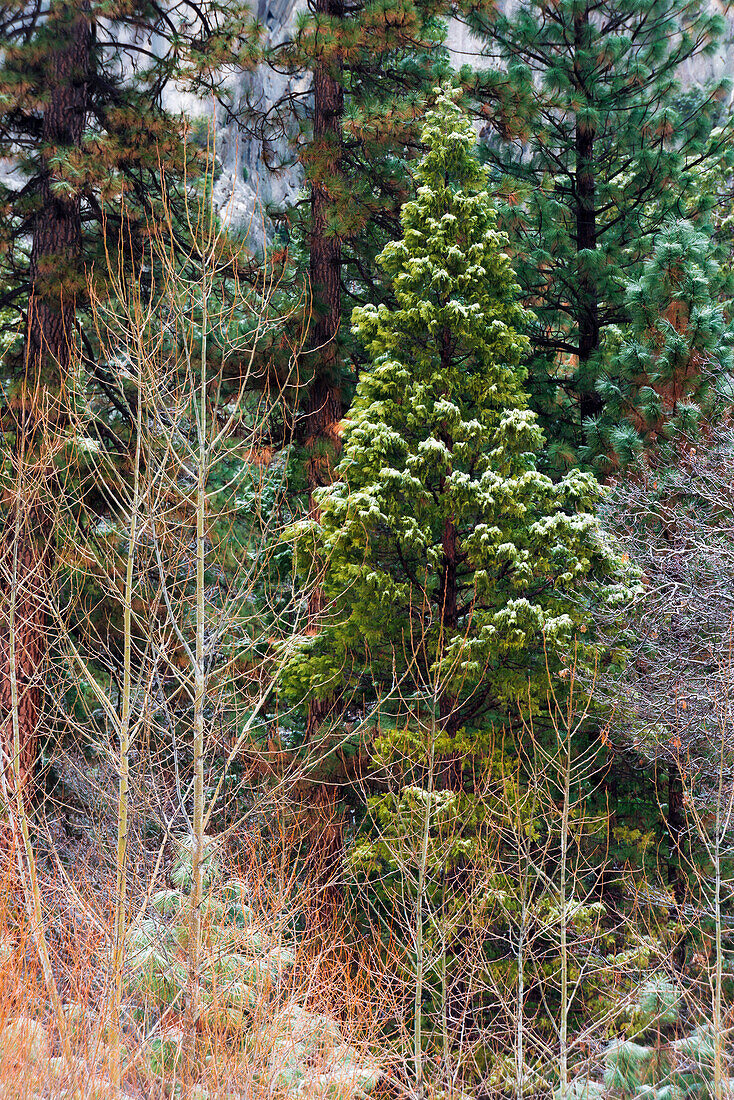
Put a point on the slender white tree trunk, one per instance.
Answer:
(420, 915)
(197, 839)
(123, 790)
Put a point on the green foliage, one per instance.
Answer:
(242, 966)
(652, 1062)
(458, 577)
(602, 162)
(659, 1002)
(457, 573)
(668, 367)
(107, 148)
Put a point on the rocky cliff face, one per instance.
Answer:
(247, 187)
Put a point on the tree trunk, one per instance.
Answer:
(322, 432)
(590, 403)
(54, 272)
(325, 413)
(449, 767)
(674, 870)
(324, 410)
(57, 230)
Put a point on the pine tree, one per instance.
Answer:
(372, 64)
(325, 403)
(611, 149)
(83, 126)
(666, 368)
(450, 557)
(654, 1062)
(354, 129)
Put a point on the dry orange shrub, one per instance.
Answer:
(333, 999)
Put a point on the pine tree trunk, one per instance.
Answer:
(674, 871)
(54, 269)
(588, 304)
(325, 410)
(323, 415)
(57, 230)
(449, 767)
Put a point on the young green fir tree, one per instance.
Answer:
(666, 369)
(612, 147)
(456, 571)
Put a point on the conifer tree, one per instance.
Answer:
(83, 126)
(352, 130)
(664, 369)
(656, 1060)
(450, 557)
(325, 404)
(610, 149)
(371, 64)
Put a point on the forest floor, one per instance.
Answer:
(316, 1002)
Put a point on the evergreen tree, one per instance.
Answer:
(666, 368)
(610, 150)
(450, 557)
(656, 1060)
(83, 125)
(84, 128)
(353, 130)
(372, 64)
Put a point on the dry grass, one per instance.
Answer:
(308, 1024)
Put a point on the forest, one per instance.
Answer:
(366, 550)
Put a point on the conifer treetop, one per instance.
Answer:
(606, 143)
(450, 276)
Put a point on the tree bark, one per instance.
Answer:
(590, 403)
(449, 767)
(57, 231)
(324, 412)
(674, 870)
(54, 273)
